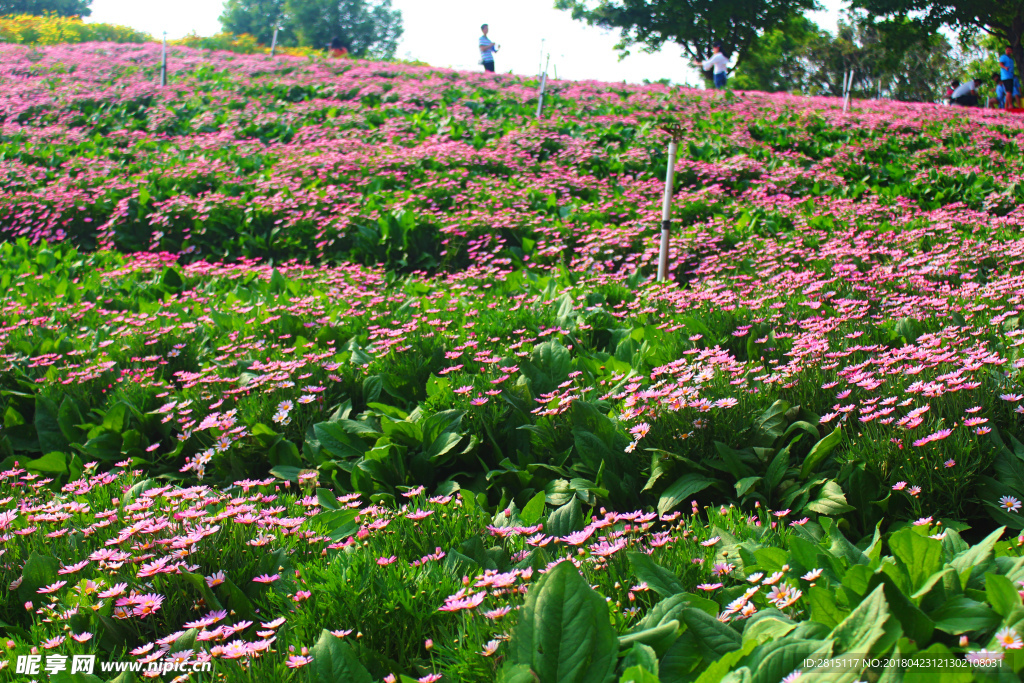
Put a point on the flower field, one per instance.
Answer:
(339, 370)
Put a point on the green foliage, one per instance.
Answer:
(692, 24)
(367, 28)
(63, 8)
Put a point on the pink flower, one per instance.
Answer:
(265, 578)
(385, 561)
(297, 661)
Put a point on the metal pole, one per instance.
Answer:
(273, 42)
(666, 210)
(543, 84)
(163, 63)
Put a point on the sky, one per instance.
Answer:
(445, 32)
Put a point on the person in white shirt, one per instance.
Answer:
(718, 62)
(487, 50)
(966, 94)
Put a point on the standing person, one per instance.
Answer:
(719, 62)
(966, 94)
(1006, 75)
(487, 49)
(1000, 101)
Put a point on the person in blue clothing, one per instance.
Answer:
(1000, 101)
(718, 64)
(1006, 76)
(487, 50)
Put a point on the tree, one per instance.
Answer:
(777, 61)
(898, 59)
(258, 18)
(63, 8)
(692, 24)
(1003, 19)
(367, 30)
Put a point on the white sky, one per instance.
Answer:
(445, 33)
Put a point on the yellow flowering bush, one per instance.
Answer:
(28, 29)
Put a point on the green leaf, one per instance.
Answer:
(713, 638)
(820, 451)
(170, 278)
(564, 632)
(442, 444)
(638, 674)
(51, 438)
(69, 417)
(565, 520)
(864, 625)
(327, 499)
(39, 570)
(745, 484)
(916, 624)
(510, 673)
(824, 609)
(720, 667)
(962, 615)
(643, 656)
(920, 557)
(334, 439)
(684, 487)
(661, 580)
(51, 463)
(1001, 594)
(334, 661)
(831, 501)
(977, 558)
(534, 509)
(785, 657)
(436, 385)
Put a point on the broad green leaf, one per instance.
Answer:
(51, 438)
(638, 674)
(919, 556)
(565, 519)
(661, 580)
(643, 656)
(51, 463)
(768, 624)
(39, 570)
(564, 632)
(824, 609)
(831, 501)
(863, 626)
(916, 624)
(336, 440)
(683, 488)
(977, 558)
(1001, 594)
(327, 499)
(333, 660)
(442, 444)
(962, 615)
(820, 451)
(721, 666)
(534, 509)
(787, 656)
(713, 638)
